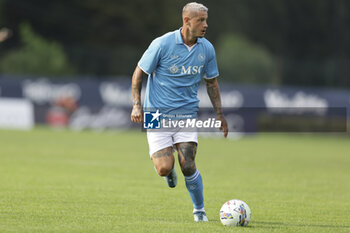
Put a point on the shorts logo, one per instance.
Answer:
(151, 120)
(173, 69)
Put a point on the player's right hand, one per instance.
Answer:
(136, 114)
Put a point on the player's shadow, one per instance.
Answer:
(259, 224)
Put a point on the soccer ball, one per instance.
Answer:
(235, 213)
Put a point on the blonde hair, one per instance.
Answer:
(194, 7)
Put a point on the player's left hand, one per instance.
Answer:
(224, 126)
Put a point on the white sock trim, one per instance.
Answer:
(192, 177)
(199, 210)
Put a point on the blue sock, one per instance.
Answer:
(194, 186)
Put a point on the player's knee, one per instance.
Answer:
(164, 170)
(189, 168)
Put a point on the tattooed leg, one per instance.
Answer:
(163, 161)
(187, 153)
(193, 179)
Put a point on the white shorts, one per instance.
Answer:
(160, 140)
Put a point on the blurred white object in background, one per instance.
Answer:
(5, 33)
(16, 113)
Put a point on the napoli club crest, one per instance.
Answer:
(173, 69)
(201, 57)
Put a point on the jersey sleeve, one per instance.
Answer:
(149, 60)
(211, 69)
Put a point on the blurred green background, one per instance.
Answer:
(282, 42)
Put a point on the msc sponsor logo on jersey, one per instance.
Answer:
(191, 69)
(174, 69)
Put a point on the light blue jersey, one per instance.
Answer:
(175, 72)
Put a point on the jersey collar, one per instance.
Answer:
(179, 40)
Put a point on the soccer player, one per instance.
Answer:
(175, 64)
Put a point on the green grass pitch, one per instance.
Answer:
(63, 181)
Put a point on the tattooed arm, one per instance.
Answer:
(136, 85)
(214, 95)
